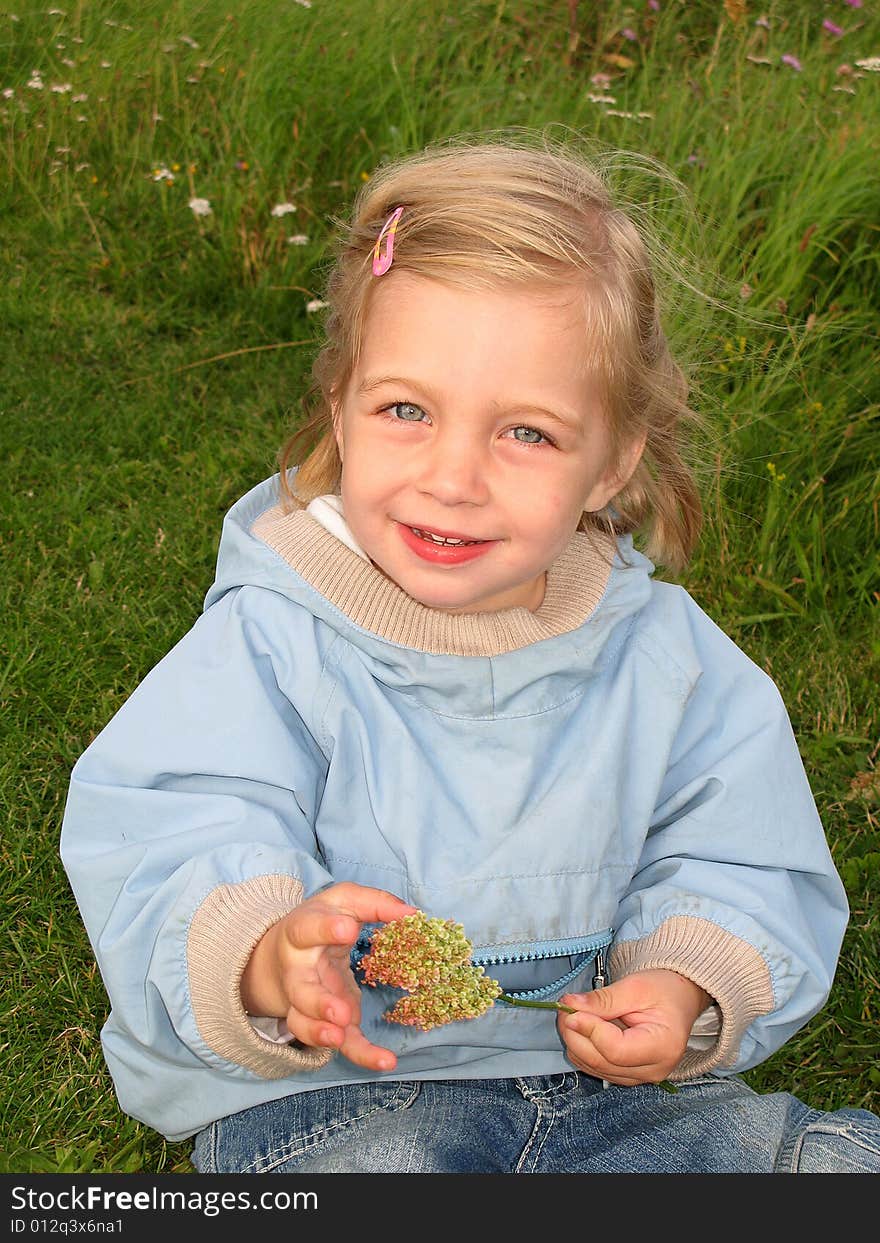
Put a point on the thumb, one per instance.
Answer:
(607, 1003)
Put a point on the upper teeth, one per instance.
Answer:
(442, 539)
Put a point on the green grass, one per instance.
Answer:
(153, 361)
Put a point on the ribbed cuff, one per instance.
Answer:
(731, 971)
(222, 936)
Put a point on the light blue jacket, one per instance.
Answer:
(629, 783)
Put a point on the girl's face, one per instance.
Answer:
(471, 441)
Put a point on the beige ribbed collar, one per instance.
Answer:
(575, 584)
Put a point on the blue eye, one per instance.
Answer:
(407, 412)
(528, 435)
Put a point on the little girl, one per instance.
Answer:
(434, 673)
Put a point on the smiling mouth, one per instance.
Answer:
(445, 541)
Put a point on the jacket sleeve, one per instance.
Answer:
(188, 831)
(735, 888)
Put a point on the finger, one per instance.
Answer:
(584, 1056)
(367, 904)
(314, 926)
(617, 1046)
(359, 1050)
(610, 1076)
(335, 916)
(610, 1002)
(316, 1033)
(319, 1000)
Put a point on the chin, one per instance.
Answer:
(443, 603)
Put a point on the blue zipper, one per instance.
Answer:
(581, 948)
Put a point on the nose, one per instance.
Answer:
(455, 470)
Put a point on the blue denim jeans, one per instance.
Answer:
(554, 1124)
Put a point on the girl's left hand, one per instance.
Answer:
(634, 1030)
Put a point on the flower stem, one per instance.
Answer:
(535, 1005)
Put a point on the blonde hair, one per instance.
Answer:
(488, 214)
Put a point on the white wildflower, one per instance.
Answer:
(106, 64)
(200, 207)
(298, 239)
(188, 40)
(8, 93)
(162, 174)
(35, 82)
(61, 88)
(872, 64)
(601, 99)
(78, 99)
(283, 209)
(315, 305)
(304, 4)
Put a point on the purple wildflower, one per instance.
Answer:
(793, 61)
(853, 4)
(832, 27)
(630, 34)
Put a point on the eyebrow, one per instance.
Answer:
(371, 383)
(569, 420)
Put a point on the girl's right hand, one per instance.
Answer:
(300, 971)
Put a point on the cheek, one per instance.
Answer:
(565, 503)
(554, 519)
(366, 478)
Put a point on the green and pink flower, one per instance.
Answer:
(431, 960)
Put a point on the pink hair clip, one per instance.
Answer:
(382, 260)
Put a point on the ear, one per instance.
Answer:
(617, 476)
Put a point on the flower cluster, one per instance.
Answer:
(431, 959)
(464, 993)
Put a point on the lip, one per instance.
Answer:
(443, 554)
